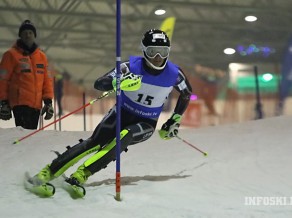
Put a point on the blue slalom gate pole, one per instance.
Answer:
(118, 100)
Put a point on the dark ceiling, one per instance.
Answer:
(79, 35)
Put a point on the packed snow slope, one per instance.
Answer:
(160, 178)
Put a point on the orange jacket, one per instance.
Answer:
(24, 79)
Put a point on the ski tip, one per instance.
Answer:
(205, 154)
(16, 142)
(26, 175)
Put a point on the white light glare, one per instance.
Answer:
(267, 77)
(159, 12)
(229, 51)
(250, 18)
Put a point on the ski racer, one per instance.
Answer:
(146, 82)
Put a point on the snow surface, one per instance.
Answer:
(160, 179)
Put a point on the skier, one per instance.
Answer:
(146, 82)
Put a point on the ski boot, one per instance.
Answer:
(44, 176)
(73, 185)
(39, 184)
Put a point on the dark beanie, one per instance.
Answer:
(27, 25)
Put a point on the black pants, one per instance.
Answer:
(26, 117)
(139, 129)
(106, 129)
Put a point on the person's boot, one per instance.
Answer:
(44, 175)
(81, 175)
(74, 182)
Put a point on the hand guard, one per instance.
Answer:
(5, 110)
(48, 109)
(170, 128)
(128, 82)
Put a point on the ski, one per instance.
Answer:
(74, 189)
(45, 190)
(38, 188)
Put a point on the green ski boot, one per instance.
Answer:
(44, 175)
(73, 185)
(39, 185)
(81, 174)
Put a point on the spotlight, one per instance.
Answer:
(250, 18)
(160, 12)
(229, 51)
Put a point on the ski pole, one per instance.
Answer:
(204, 153)
(105, 94)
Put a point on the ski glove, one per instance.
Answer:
(5, 110)
(128, 82)
(48, 109)
(170, 128)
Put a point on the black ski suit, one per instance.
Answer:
(137, 128)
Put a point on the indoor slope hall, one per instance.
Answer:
(237, 58)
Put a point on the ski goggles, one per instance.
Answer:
(152, 51)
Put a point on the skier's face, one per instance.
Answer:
(157, 61)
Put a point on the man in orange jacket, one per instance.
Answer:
(25, 81)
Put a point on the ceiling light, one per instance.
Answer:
(159, 12)
(229, 51)
(250, 18)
